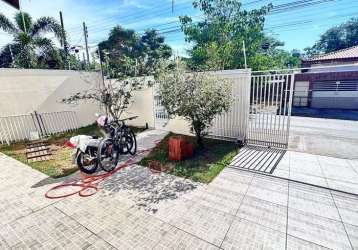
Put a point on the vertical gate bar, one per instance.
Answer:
(258, 118)
(234, 106)
(290, 109)
(2, 136)
(11, 128)
(65, 118)
(242, 103)
(23, 127)
(48, 121)
(271, 105)
(60, 117)
(256, 106)
(77, 122)
(8, 131)
(250, 105)
(72, 121)
(21, 130)
(55, 124)
(258, 109)
(282, 116)
(285, 109)
(60, 122)
(17, 130)
(268, 83)
(276, 110)
(279, 99)
(253, 107)
(272, 140)
(243, 134)
(14, 128)
(28, 124)
(264, 111)
(5, 130)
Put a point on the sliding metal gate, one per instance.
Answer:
(270, 110)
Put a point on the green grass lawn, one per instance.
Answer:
(61, 162)
(204, 166)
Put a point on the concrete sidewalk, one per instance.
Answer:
(136, 209)
(330, 137)
(324, 171)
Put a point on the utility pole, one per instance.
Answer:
(23, 17)
(100, 62)
(84, 59)
(12, 57)
(244, 49)
(64, 42)
(85, 32)
(173, 2)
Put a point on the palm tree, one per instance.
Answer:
(29, 45)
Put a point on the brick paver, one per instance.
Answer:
(136, 209)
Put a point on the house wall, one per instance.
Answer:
(23, 91)
(328, 99)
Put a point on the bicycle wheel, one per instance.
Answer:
(86, 163)
(108, 155)
(127, 141)
(131, 142)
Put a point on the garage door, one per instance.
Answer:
(335, 94)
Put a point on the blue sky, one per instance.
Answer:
(298, 28)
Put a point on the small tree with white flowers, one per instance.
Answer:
(198, 97)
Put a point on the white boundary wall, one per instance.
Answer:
(23, 91)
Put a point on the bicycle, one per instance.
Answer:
(119, 140)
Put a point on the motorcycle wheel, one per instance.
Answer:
(88, 169)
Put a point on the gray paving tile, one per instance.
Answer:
(3, 244)
(235, 175)
(322, 231)
(300, 156)
(135, 232)
(178, 239)
(308, 178)
(294, 243)
(204, 222)
(353, 235)
(281, 173)
(264, 213)
(354, 164)
(306, 166)
(240, 186)
(223, 199)
(270, 189)
(317, 201)
(342, 173)
(343, 186)
(347, 206)
(48, 228)
(248, 235)
(327, 160)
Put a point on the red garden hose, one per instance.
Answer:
(91, 182)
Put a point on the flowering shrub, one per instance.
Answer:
(197, 97)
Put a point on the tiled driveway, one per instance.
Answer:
(325, 171)
(136, 209)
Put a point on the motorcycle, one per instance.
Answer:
(91, 152)
(85, 155)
